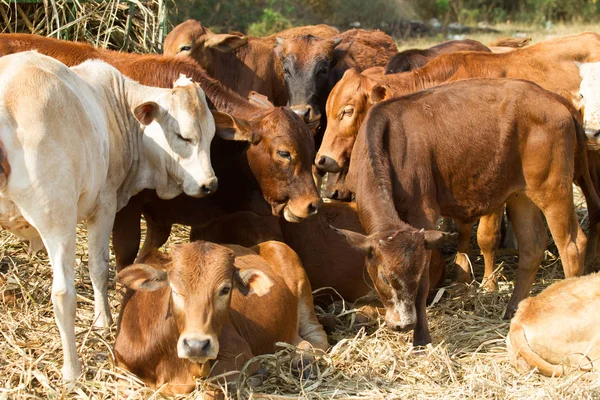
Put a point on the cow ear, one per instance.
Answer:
(357, 240)
(225, 42)
(435, 239)
(253, 281)
(379, 93)
(260, 100)
(143, 277)
(341, 49)
(229, 127)
(147, 112)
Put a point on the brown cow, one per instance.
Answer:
(557, 330)
(181, 313)
(550, 64)
(239, 62)
(270, 145)
(413, 161)
(411, 59)
(329, 261)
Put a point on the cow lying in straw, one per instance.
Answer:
(557, 330)
(76, 145)
(181, 313)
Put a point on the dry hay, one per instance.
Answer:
(467, 360)
(138, 26)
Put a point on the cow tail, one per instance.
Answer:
(517, 345)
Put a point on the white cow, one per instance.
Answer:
(590, 98)
(76, 144)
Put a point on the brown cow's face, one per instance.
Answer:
(201, 278)
(307, 63)
(280, 156)
(191, 39)
(347, 107)
(396, 261)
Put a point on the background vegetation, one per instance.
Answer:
(262, 17)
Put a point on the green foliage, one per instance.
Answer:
(270, 22)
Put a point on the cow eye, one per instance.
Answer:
(187, 140)
(185, 48)
(347, 112)
(284, 154)
(322, 71)
(225, 291)
(286, 71)
(384, 279)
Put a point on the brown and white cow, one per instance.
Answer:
(242, 63)
(77, 144)
(207, 309)
(413, 161)
(266, 168)
(557, 330)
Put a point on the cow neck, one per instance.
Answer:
(374, 191)
(404, 83)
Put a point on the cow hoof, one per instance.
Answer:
(490, 285)
(509, 313)
(258, 378)
(303, 367)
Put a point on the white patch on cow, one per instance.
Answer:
(590, 98)
(182, 81)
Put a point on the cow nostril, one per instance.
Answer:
(313, 208)
(195, 347)
(206, 190)
(322, 160)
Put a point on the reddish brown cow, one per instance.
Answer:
(550, 64)
(329, 261)
(182, 313)
(412, 163)
(411, 59)
(239, 62)
(267, 167)
(557, 330)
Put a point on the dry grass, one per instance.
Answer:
(122, 25)
(467, 360)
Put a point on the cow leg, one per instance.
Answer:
(126, 233)
(532, 239)
(488, 238)
(156, 235)
(421, 335)
(463, 256)
(99, 228)
(310, 331)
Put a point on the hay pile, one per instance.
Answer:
(467, 360)
(134, 26)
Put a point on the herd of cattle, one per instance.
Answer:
(463, 130)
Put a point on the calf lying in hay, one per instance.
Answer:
(557, 331)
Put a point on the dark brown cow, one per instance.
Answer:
(312, 65)
(557, 330)
(413, 162)
(242, 63)
(329, 261)
(411, 59)
(182, 313)
(550, 64)
(266, 168)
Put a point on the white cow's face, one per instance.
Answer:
(590, 99)
(177, 137)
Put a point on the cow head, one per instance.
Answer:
(200, 278)
(280, 152)
(347, 107)
(191, 39)
(308, 63)
(396, 261)
(590, 99)
(178, 130)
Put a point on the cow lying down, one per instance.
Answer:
(557, 330)
(209, 308)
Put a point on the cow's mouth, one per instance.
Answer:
(283, 209)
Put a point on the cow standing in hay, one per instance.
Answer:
(413, 162)
(76, 145)
(184, 312)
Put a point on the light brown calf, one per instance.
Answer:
(193, 314)
(557, 330)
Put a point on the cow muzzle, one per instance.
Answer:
(327, 164)
(401, 318)
(197, 348)
(309, 114)
(592, 134)
(207, 188)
